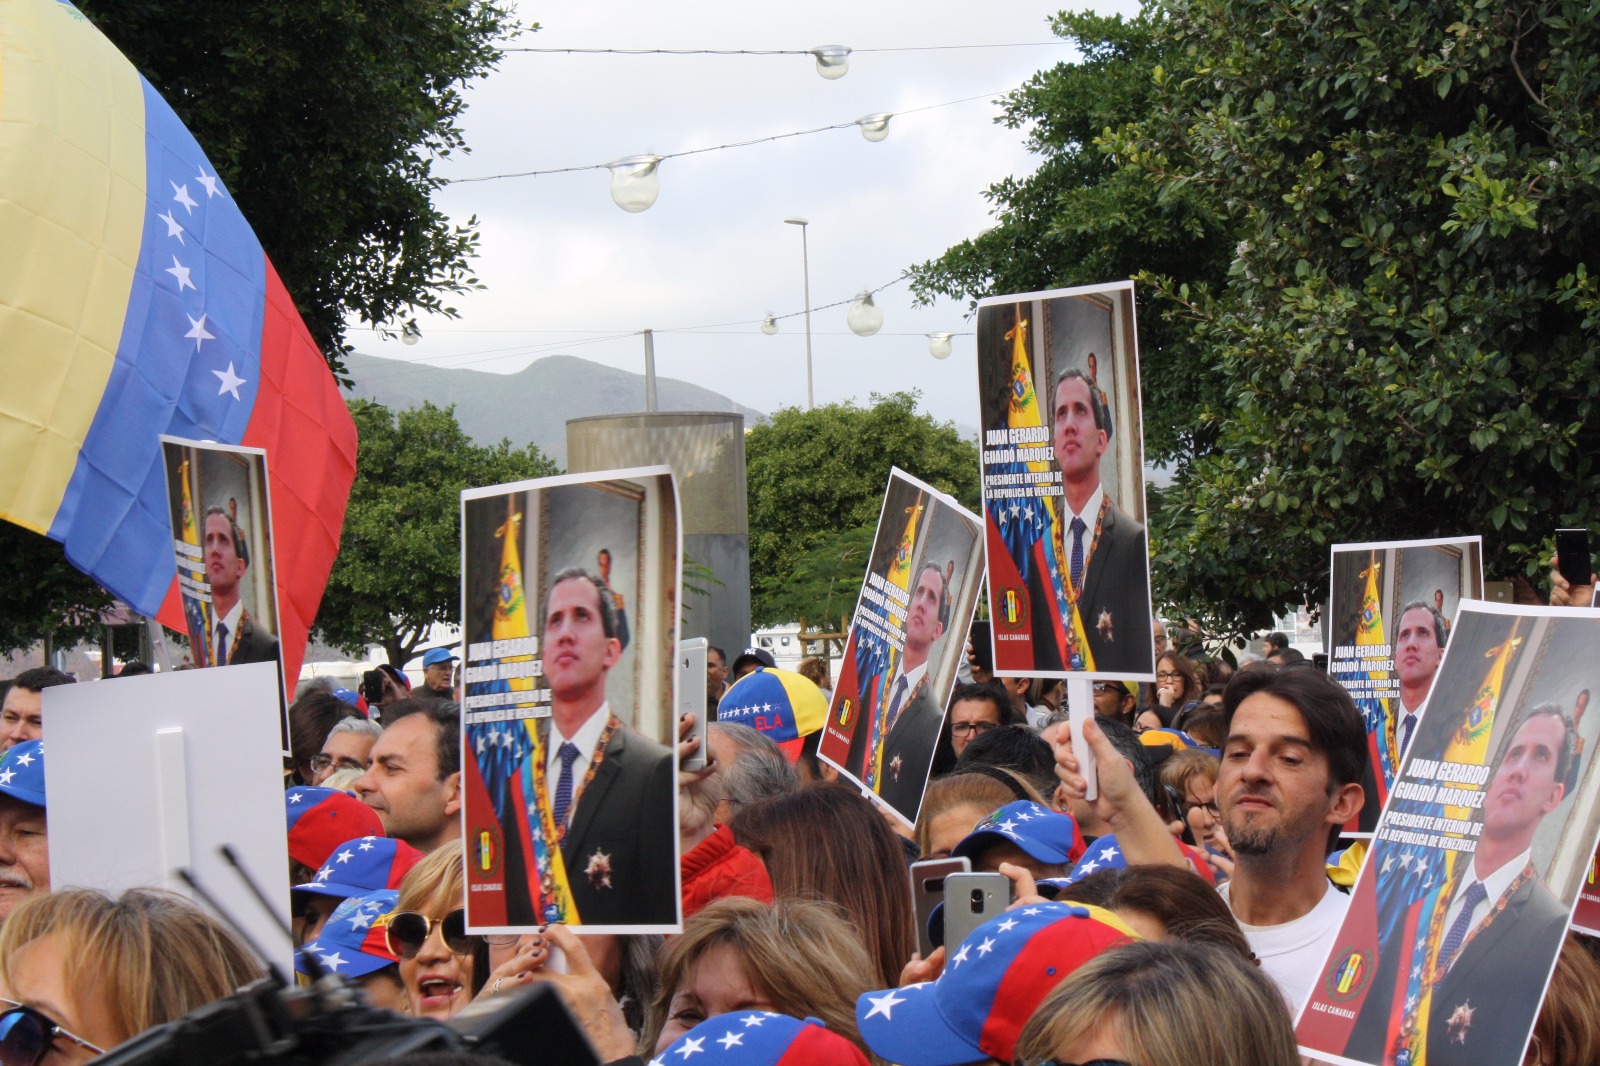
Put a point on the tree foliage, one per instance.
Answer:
(815, 475)
(399, 565)
(324, 117)
(1403, 341)
(44, 597)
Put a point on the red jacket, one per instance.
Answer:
(717, 867)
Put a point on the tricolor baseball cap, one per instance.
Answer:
(320, 819)
(354, 943)
(367, 864)
(989, 988)
(779, 703)
(1046, 835)
(22, 772)
(761, 1038)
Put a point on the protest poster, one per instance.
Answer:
(570, 591)
(1462, 905)
(1067, 555)
(154, 773)
(906, 639)
(1389, 615)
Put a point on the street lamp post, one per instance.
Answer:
(805, 266)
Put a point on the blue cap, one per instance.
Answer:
(354, 942)
(435, 656)
(22, 772)
(1049, 836)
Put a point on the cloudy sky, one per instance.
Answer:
(568, 272)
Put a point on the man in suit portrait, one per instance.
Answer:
(1101, 550)
(1502, 926)
(236, 636)
(914, 716)
(609, 788)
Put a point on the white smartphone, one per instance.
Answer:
(691, 693)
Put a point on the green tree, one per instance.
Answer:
(44, 597)
(814, 475)
(324, 119)
(1401, 338)
(1082, 217)
(1407, 331)
(399, 565)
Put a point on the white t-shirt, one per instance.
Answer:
(1292, 954)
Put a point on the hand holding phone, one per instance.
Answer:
(927, 890)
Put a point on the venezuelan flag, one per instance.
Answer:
(1376, 713)
(899, 575)
(196, 608)
(550, 893)
(135, 300)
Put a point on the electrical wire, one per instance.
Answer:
(718, 147)
(772, 51)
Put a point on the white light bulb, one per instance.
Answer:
(864, 318)
(875, 127)
(410, 335)
(833, 60)
(939, 345)
(769, 325)
(635, 184)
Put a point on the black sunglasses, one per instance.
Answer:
(407, 931)
(26, 1036)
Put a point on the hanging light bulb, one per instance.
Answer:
(410, 335)
(833, 60)
(634, 181)
(864, 318)
(769, 325)
(939, 345)
(875, 127)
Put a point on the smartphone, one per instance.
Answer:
(1080, 711)
(982, 645)
(927, 891)
(969, 901)
(1572, 552)
(691, 693)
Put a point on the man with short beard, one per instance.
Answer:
(1290, 777)
(24, 845)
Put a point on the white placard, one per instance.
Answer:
(158, 771)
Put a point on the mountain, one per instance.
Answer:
(532, 405)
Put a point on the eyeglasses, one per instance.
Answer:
(26, 1036)
(966, 729)
(1103, 687)
(320, 763)
(407, 931)
(1168, 675)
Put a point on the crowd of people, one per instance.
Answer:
(1181, 915)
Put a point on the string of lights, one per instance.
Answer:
(874, 127)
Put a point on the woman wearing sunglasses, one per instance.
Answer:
(442, 967)
(80, 972)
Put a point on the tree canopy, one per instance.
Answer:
(1401, 340)
(399, 565)
(44, 597)
(324, 118)
(816, 477)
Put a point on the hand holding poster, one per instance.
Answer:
(904, 645)
(1063, 484)
(570, 592)
(1390, 611)
(1462, 905)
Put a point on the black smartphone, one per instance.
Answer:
(982, 645)
(1572, 553)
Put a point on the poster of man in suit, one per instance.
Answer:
(222, 550)
(905, 643)
(567, 717)
(1463, 902)
(1390, 609)
(1063, 485)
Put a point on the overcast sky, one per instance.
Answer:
(566, 270)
